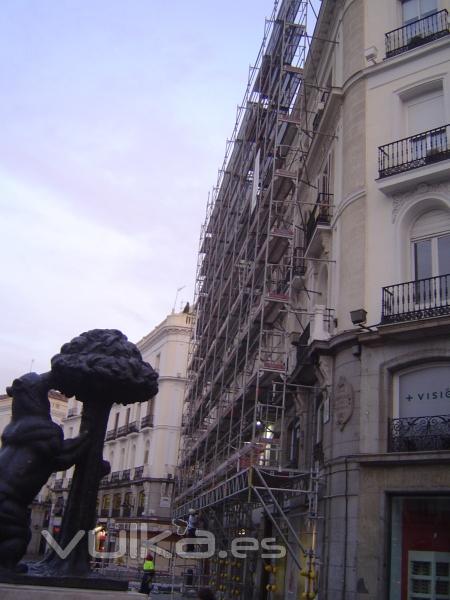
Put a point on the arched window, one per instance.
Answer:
(128, 504)
(430, 245)
(117, 500)
(421, 409)
(106, 504)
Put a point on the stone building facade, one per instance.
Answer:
(381, 374)
(361, 428)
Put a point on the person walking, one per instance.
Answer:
(148, 574)
(206, 594)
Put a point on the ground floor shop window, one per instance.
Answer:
(420, 548)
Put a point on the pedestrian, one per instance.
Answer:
(192, 522)
(148, 574)
(206, 594)
(191, 528)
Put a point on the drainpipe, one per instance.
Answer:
(344, 579)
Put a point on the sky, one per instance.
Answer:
(113, 122)
(114, 117)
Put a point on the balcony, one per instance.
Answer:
(122, 431)
(416, 151)
(319, 219)
(133, 427)
(418, 434)
(126, 475)
(138, 472)
(417, 33)
(416, 300)
(115, 476)
(147, 421)
(110, 435)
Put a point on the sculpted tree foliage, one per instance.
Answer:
(100, 368)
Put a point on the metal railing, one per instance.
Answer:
(413, 152)
(415, 300)
(147, 421)
(416, 33)
(138, 472)
(415, 434)
(110, 435)
(320, 215)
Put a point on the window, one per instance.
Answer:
(428, 575)
(417, 9)
(141, 503)
(294, 437)
(421, 410)
(425, 120)
(116, 422)
(420, 24)
(106, 502)
(116, 502)
(430, 250)
(147, 452)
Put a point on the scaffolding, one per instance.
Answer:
(233, 464)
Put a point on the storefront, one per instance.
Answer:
(420, 548)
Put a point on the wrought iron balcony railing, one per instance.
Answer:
(413, 152)
(110, 435)
(147, 421)
(415, 300)
(416, 434)
(416, 33)
(320, 215)
(138, 472)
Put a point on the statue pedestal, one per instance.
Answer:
(10, 591)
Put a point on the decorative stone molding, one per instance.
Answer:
(344, 401)
(423, 189)
(324, 371)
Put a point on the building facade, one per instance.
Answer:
(141, 446)
(318, 403)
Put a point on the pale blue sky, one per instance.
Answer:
(114, 116)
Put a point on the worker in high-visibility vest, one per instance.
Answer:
(148, 574)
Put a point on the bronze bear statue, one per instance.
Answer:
(33, 447)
